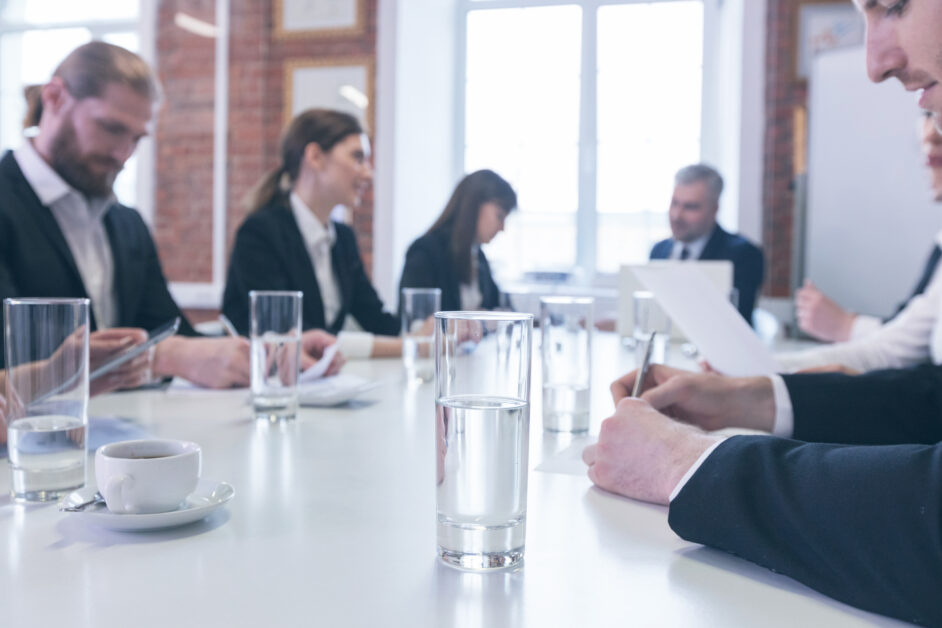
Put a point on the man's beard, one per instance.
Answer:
(72, 165)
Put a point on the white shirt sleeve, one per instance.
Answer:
(904, 341)
(783, 426)
(864, 325)
(355, 345)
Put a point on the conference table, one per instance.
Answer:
(333, 524)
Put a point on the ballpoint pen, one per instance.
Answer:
(643, 369)
(230, 328)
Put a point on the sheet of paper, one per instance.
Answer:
(709, 320)
(317, 371)
(569, 460)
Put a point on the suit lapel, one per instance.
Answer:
(34, 210)
(338, 254)
(126, 274)
(714, 246)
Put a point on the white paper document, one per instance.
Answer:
(317, 371)
(709, 320)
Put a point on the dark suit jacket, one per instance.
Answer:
(927, 272)
(861, 521)
(748, 264)
(35, 260)
(429, 265)
(269, 254)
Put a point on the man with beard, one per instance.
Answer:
(63, 234)
(849, 502)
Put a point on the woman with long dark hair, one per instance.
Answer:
(288, 241)
(449, 255)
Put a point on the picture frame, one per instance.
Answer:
(319, 18)
(340, 83)
(824, 25)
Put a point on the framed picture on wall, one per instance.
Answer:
(825, 26)
(319, 18)
(344, 83)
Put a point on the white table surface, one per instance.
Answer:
(333, 524)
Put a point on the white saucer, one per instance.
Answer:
(207, 497)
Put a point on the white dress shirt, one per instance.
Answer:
(912, 337)
(783, 426)
(470, 293)
(319, 240)
(81, 221)
(694, 248)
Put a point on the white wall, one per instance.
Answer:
(870, 221)
(734, 112)
(415, 129)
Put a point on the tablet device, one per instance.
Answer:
(161, 333)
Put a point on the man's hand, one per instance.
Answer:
(106, 344)
(706, 399)
(209, 362)
(643, 454)
(821, 317)
(313, 344)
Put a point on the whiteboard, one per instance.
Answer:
(870, 220)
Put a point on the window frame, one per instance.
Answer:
(586, 214)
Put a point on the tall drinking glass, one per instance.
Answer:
(276, 353)
(47, 395)
(566, 325)
(482, 374)
(418, 307)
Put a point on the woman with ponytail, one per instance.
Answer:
(288, 241)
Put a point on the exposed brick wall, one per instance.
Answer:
(183, 208)
(783, 93)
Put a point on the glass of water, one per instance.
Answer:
(482, 414)
(650, 317)
(418, 307)
(47, 395)
(275, 335)
(566, 327)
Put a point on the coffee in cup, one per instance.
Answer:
(147, 476)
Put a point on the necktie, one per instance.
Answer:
(684, 253)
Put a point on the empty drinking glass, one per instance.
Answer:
(418, 307)
(276, 352)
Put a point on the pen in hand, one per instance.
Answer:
(230, 328)
(645, 363)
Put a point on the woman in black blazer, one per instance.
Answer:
(449, 256)
(288, 236)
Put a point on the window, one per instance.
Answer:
(36, 36)
(565, 101)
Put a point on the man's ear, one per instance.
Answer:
(55, 95)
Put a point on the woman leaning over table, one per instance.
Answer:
(449, 255)
(288, 241)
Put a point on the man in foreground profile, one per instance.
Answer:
(848, 498)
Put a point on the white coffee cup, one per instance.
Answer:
(147, 476)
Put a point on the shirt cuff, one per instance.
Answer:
(864, 325)
(355, 345)
(784, 423)
(693, 469)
